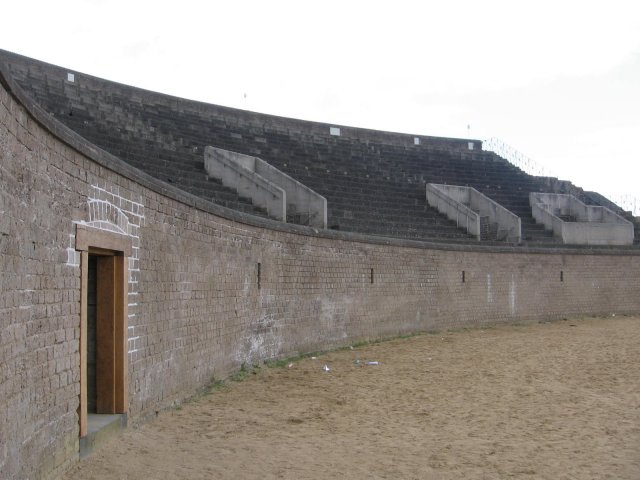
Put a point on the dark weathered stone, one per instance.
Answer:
(165, 137)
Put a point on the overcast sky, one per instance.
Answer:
(557, 80)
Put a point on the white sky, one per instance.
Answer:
(557, 80)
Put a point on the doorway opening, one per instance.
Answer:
(103, 330)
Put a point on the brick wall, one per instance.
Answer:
(39, 297)
(211, 289)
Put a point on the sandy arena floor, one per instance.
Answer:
(555, 401)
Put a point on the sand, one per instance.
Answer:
(556, 400)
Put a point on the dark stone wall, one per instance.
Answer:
(197, 309)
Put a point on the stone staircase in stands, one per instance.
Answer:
(372, 185)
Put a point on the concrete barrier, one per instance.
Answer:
(298, 198)
(454, 209)
(592, 225)
(235, 175)
(467, 206)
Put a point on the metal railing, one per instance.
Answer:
(516, 157)
(629, 203)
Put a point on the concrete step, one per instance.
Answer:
(101, 429)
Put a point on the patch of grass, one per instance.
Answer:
(216, 386)
(221, 385)
(283, 362)
(377, 341)
(211, 387)
(245, 372)
(363, 343)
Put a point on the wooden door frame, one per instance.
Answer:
(113, 250)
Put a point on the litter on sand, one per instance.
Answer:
(326, 368)
(360, 362)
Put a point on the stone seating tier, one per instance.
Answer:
(374, 182)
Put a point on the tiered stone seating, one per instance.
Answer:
(374, 183)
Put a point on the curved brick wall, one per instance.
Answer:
(196, 308)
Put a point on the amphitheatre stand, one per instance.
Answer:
(152, 244)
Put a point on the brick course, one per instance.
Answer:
(197, 309)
